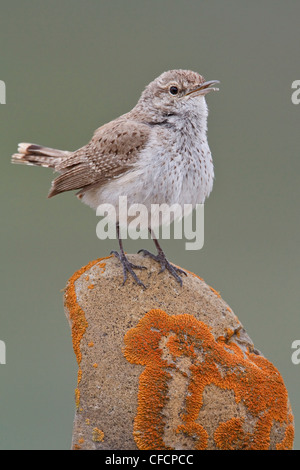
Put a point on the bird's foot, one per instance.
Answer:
(165, 264)
(128, 267)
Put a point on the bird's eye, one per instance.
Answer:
(174, 90)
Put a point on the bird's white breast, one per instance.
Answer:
(175, 167)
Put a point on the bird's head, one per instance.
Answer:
(177, 92)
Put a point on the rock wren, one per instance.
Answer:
(156, 153)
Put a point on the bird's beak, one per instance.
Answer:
(205, 88)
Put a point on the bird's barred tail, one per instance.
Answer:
(32, 154)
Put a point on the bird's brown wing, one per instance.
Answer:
(113, 150)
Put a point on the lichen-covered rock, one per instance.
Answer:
(168, 367)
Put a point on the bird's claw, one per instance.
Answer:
(165, 264)
(128, 267)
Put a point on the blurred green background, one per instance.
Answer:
(71, 66)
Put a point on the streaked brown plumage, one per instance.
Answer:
(156, 153)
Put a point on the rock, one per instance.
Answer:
(168, 367)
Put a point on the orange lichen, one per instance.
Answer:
(87, 278)
(102, 265)
(91, 344)
(201, 279)
(81, 440)
(166, 345)
(190, 272)
(95, 365)
(230, 333)
(76, 314)
(77, 397)
(195, 431)
(231, 436)
(98, 435)
(215, 291)
(91, 286)
(288, 440)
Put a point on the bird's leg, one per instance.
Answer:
(127, 266)
(162, 260)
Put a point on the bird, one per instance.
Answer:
(156, 153)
